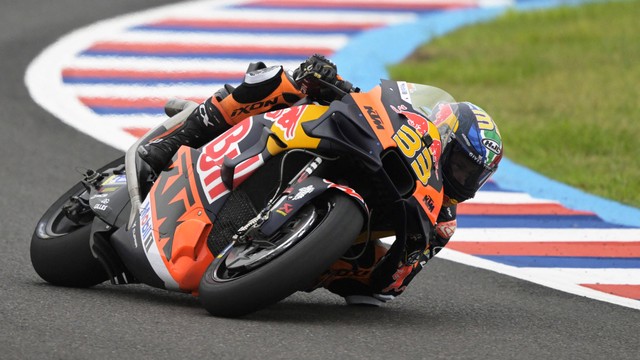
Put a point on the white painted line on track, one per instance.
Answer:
(545, 235)
(553, 279)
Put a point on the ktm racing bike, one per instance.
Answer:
(264, 210)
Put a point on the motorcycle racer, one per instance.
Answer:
(467, 162)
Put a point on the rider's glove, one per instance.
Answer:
(400, 265)
(388, 281)
(316, 67)
(387, 285)
(317, 75)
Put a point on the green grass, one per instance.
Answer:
(563, 85)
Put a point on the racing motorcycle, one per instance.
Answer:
(262, 211)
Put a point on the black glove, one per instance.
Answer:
(318, 78)
(400, 265)
(316, 67)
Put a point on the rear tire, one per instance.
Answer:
(293, 270)
(60, 248)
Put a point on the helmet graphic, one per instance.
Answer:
(473, 151)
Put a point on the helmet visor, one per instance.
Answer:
(465, 173)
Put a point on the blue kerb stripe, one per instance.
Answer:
(244, 57)
(492, 186)
(256, 31)
(535, 221)
(565, 262)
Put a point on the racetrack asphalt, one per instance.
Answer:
(451, 311)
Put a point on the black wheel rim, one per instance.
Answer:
(240, 260)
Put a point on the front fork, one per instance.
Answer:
(303, 188)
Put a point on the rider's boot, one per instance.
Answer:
(263, 89)
(204, 124)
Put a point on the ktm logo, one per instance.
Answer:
(375, 118)
(428, 202)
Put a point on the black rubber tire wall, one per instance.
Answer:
(289, 272)
(66, 260)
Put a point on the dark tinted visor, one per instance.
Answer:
(463, 170)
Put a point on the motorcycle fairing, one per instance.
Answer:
(178, 215)
(418, 140)
(185, 199)
(110, 199)
(392, 124)
(179, 226)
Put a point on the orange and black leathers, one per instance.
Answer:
(389, 271)
(262, 90)
(415, 255)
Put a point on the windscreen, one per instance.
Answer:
(425, 100)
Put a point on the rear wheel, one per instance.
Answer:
(249, 277)
(60, 247)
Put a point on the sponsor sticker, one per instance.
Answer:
(404, 91)
(146, 225)
(115, 180)
(302, 192)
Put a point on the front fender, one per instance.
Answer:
(300, 194)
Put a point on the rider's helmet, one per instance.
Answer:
(473, 151)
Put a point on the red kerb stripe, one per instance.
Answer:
(612, 249)
(136, 131)
(518, 209)
(145, 74)
(628, 291)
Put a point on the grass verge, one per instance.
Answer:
(562, 84)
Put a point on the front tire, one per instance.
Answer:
(60, 248)
(228, 293)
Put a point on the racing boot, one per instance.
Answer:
(263, 89)
(204, 124)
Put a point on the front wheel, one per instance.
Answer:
(250, 277)
(60, 247)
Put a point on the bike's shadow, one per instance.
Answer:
(322, 307)
(317, 307)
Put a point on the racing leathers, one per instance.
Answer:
(381, 272)
(384, 271)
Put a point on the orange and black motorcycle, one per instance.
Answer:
(264, 210)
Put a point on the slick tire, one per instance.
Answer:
(60, 251)
(291, 271)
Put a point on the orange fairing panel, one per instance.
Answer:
(430, 200)
(371, 106)
(423, 161)
(181, 225)
(190, 255)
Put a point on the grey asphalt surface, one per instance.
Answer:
(451, 311)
